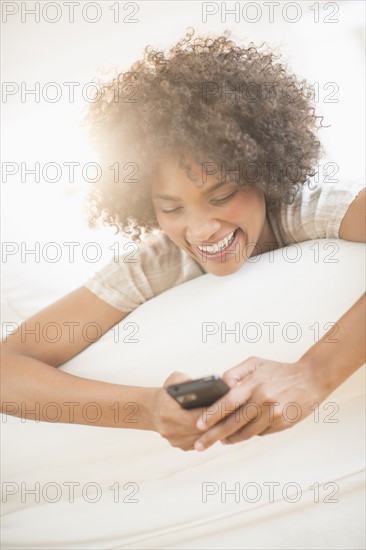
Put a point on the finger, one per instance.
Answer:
(273, 429)
(238, 373)
(224, 407)
(249, 430)
(176, 378)
(225, 429)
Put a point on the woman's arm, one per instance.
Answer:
(265, 393)
(338, 355)
(337, 360)
(271, 385)
(60, 331)
(33, 388)
(353, 226)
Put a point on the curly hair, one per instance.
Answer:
(206, 99)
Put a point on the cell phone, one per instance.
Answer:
(198, 393)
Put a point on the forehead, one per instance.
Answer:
(174, 174)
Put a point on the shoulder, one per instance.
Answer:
(165, 263)
(316, 212)
(158, 251)
(143, 271)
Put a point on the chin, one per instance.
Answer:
(222, 270)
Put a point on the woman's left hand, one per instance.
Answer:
(265, 397)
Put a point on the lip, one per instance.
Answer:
(218, 255)
(209, 243)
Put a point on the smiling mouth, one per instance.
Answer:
(217, 247)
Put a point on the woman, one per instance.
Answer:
(206, 150)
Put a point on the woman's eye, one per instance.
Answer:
(172, 211)
(216, 201)
(224, 199)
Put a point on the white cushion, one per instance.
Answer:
(318, 289)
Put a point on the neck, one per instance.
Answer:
(267, 240)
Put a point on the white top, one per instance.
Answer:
(158, 263)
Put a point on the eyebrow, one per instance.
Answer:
(209, 190)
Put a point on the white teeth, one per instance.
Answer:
(214, 248)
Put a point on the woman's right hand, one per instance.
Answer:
(174, 423)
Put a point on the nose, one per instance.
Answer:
(202, 231)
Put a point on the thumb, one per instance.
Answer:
(237, 374)
(177, 378)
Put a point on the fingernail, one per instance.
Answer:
(201, 425)
(224, 442)
(199, 446)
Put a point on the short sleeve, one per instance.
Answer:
(155, 265)
(316, 213)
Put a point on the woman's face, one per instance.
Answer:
(216, 223)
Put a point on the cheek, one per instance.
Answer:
(248, 206)
(238, 212)
(167, 224)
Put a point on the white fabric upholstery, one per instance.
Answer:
(170, 512)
